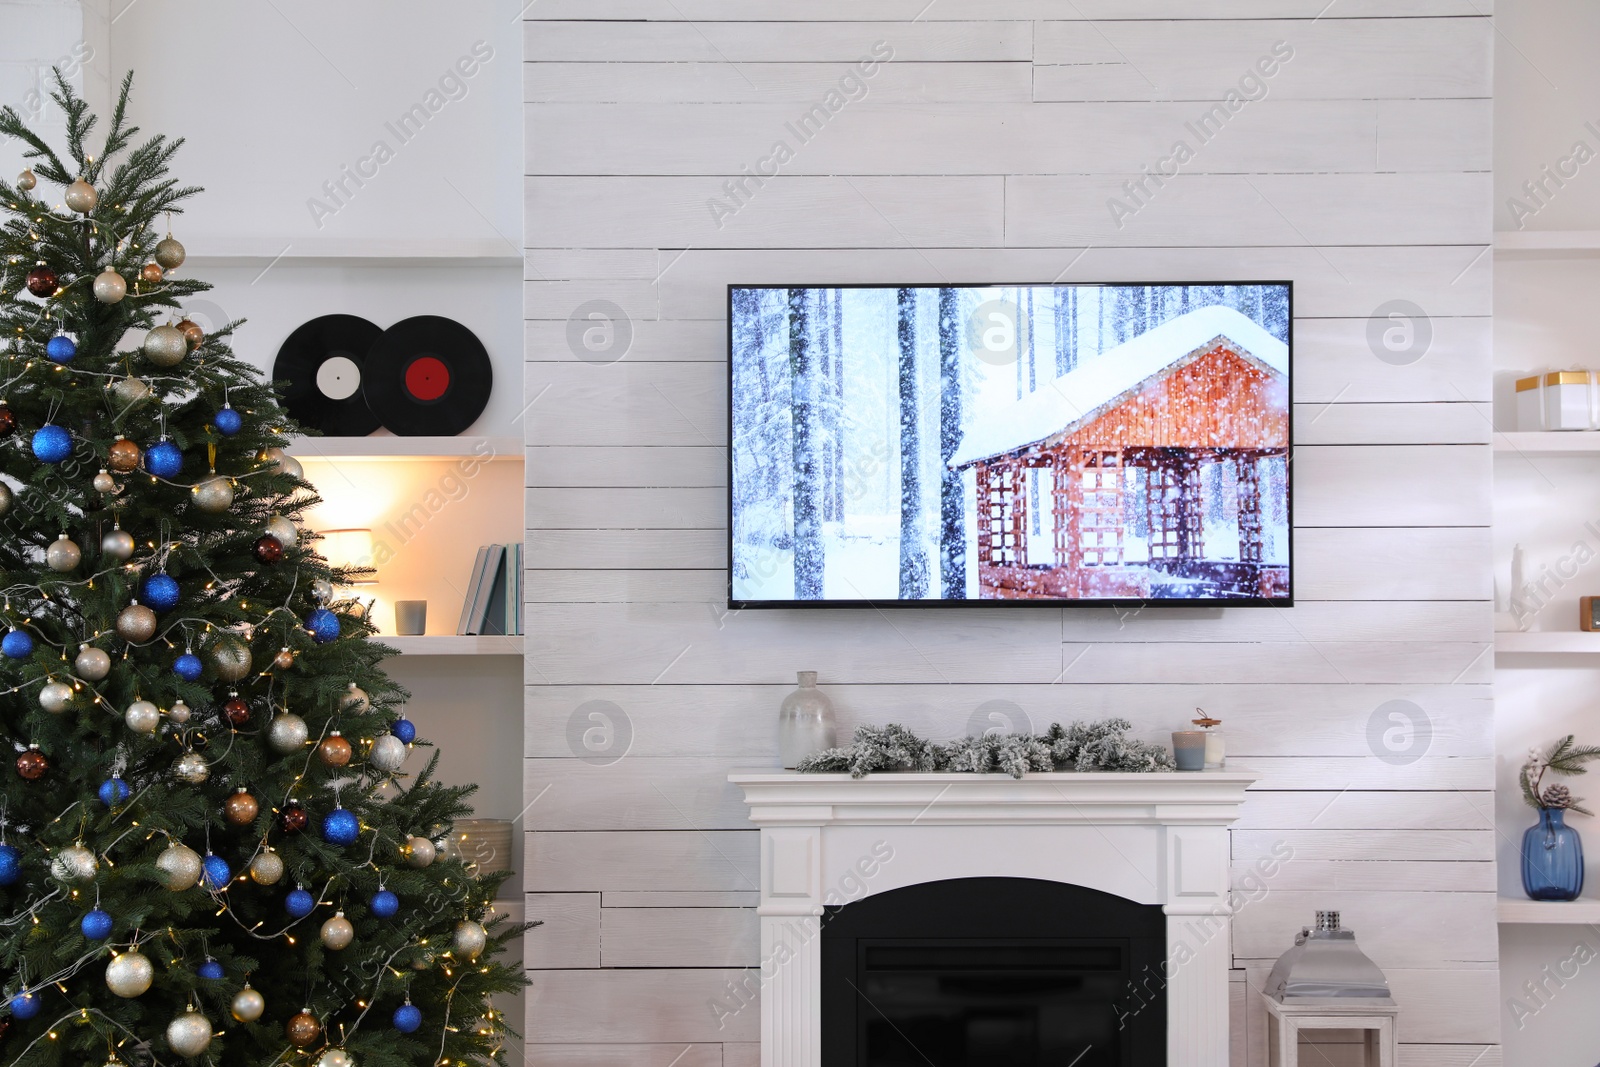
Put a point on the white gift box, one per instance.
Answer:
(1530, 405)
(1566, 400)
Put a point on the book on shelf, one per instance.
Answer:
(493, 604)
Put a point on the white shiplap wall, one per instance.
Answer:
(985, 150)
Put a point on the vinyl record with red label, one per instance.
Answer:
(323, 363)
(427, 375)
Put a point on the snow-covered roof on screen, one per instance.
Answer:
(1101, 382)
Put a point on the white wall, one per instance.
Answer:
(986, 150)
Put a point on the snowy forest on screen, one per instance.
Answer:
(950, 443)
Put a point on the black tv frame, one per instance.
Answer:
(1130, 604)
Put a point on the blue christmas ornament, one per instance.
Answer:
(384, 904)
(405, 730)
(51, 444)
(96, 925)
(407, 1018)
(340, 827)
(113, 791)
(60, 348)
(159, 591)
(25, 1005)
(210, 970)
(17, 644)
(188, 667)
(163, 459)
(227, 421)
(10, 865)
(299, 903)
(216, 872)
(323, 624)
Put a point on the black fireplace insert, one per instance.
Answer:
(983, 972)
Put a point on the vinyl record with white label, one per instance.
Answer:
(427, 375)
(322, 364)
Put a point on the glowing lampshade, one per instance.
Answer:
(350, 548)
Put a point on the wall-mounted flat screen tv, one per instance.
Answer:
(1032, 444)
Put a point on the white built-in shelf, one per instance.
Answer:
(1549, 443)
(321, 253)
(453, 645)
(1558, 642)
(389, 447)
(1519, 910)
(1547, 241)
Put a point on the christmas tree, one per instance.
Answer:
(211, 848)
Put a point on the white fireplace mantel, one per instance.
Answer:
(828, 839)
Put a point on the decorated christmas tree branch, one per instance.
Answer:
(1094, 746)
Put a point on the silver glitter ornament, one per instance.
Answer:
(92, 663)
(213, 494)
(231, 659)
(281, 462)
(179, 867)
(6, 498)
(129, 974)
(136, 624)
(118, 544)
(74, 864)
(170, 253)
(142, 717)
(470, 939)
(287, 733)
(388, 753)
(109, 286)
(284, 530)
(189, 1034)
(191, 767)
(129, 390)
(267, 868)
(55, 697)
(63, 554)
(165, 346)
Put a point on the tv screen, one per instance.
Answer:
(1034, 444)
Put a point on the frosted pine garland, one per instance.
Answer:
(1092, 746)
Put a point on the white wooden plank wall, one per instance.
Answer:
(986, 150)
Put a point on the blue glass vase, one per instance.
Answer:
(1552, 858)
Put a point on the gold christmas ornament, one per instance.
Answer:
(55, 697)
(354, 700)
(142, 717)
(136, 624)
(287, 733)
(267, 868)
(74, 864)
(6, 498)
(337, 933)
(283, 530)
(124, 456)
(241, 808)
(118, 544)
(336, 1057)
(129, 390)
(109, 287)
(179, 712)
(419, 852)
(302, 1028)
(213, 494)
(170, 253)
(191, 767)
(232, 660)
(129, 974)
(92, 664)
(248, 1005)
(104, 483)
(388, 754)
(81, 197)
(165, 346)
(27, 180)
(189, 1034)
(63, 554)
(179, 867)
(470, 939)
